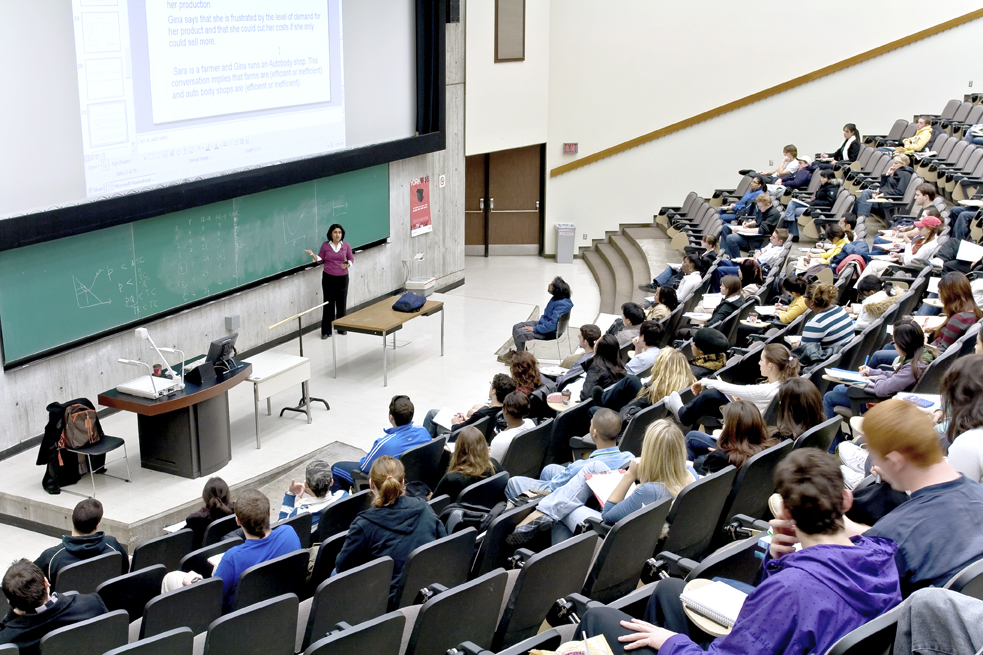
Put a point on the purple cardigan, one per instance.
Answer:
(333, 260)
(808, 600)
(888, 383)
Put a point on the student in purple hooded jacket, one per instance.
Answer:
(807, 599)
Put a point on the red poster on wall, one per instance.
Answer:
(420, 207)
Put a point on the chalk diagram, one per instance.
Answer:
(291, 227)
(84, 296)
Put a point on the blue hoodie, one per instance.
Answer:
(808, 600)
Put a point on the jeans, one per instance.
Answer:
(720, 272)
(733, 244)
(975, 140)
(791, 219)
(835, 397)
(928, 310)
(520, 484)
(663, 278)
(863, 204)
(562, 504)
(521, 336)
(728, 217)
(884, 356)
(959, 218)
(698, 444)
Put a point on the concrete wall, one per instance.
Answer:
(628, 68)
(506, 103)
(91, 369)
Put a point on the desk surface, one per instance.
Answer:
(382, 318)
(272, 363)
(190, 395)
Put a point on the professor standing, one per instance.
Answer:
(337, 257)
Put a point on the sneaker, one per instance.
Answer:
(506, 358)
(674, 403)
(853, 457)
(651, 288)
(850, 477)
(527, 531)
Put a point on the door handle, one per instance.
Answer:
(537, 205)
(481, 204)
(491, 203)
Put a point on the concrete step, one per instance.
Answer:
(622, 274)
(638, 264)
(648, 232)
(604, 277)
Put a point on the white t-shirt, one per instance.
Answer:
(500, 444)
(688, 285)
(966, 454)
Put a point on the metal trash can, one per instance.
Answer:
(565, 234)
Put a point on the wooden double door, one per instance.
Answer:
(504, 202)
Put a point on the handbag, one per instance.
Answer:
(410, 302)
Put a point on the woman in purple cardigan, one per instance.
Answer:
(337, 257)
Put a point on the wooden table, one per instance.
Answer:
(275, 372)
(187, 433)
(382, 320)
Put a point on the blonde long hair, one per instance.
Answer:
(471, 456)
(671, 372)
(664, 457)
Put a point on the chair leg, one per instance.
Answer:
(92, 477)
(127, 458)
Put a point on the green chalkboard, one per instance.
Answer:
(63, 291)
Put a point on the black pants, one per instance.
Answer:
(620, 394)
(707, 403)
(334, 289)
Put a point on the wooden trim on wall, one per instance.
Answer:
(767, 93)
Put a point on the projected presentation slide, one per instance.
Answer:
(173, 89)
(118, 97)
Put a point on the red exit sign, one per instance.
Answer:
(570, 147)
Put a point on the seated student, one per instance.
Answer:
(218, 505)
(905, 451)
(736, 210)
(800, 408)
(261, 545)
(86, 541)
(393, 527)
(587, 336)
(795, 286)
(829, 328)
(776, 364)
(399, 438)
(501, 386)
(893, 182)
(35, 610)
(545, 327)
(919, 250)
(665, 303)
(525, 374)
(708, 253)
(670, 372)
(709, 349)
(559, 510)
(806, 600)
(960, 309)
(731, 301)
(685, 280)
(945, 256)
(605, 426)
(744, 435)
(471, 462)
(909, 340)
(850, 149)
(798, 180)
(959, 220)
(626, 327)
(789, 163)
(822, 201)
(317, 484)
(765, 220)
(605, 368)
(515, 409)
(646, 348)
(921, 138)
(837, 238)
(875, 297)
(962, 403)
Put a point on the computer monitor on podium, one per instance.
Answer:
(218, 360)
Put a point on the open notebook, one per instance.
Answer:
(717, 601)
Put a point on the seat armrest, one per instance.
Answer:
(596, 524)
(568, 610)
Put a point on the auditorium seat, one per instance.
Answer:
(90, 637)
(85, 576)
(281, 575)
(494, 551)
(491, 490)
(525, 453)
(217, 529)
(338, 516)
(197, 560)
(179, 641)
(132, 591)
(301, 524)
(267, 627)
(445, 561)
(379, 636)
(167, 550)
(876, 637)
(194, 606)
(324, 562)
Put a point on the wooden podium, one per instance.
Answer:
(187, 433)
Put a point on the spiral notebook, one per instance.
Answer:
(717, 601)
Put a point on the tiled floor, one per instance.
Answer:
(498, 292)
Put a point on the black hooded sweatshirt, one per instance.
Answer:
(26, 630)
(393, 531)
(75, 549)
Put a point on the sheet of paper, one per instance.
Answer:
(602, 484)
(604, 321)
(711, 300)
(933, 284)
(969, 252)
(846, 376)
(699, 318)
(553, 371)
(171, 529)
(766, 310)
(445, 418)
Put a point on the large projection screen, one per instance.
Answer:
(118, 97)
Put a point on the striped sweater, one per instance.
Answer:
(830, 328)
(952, 329)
